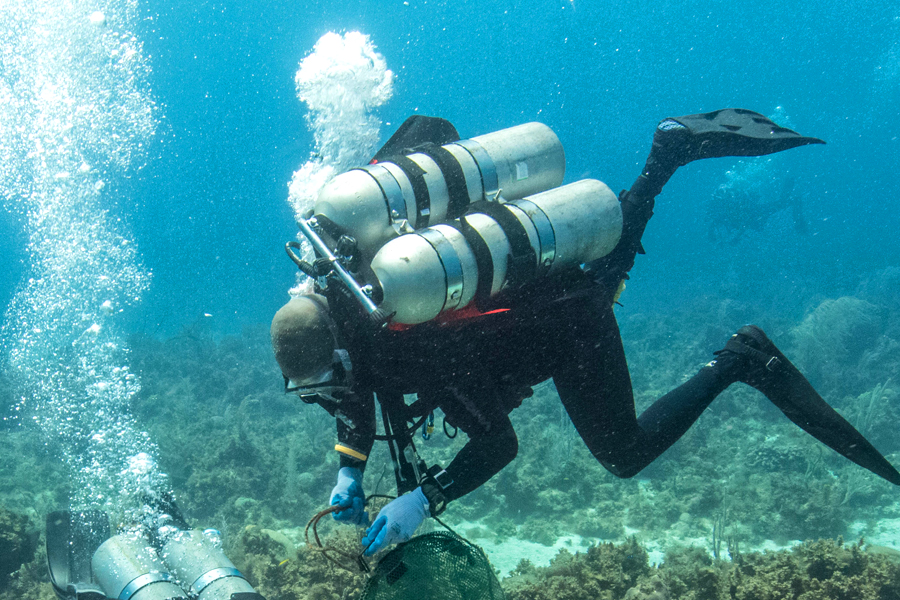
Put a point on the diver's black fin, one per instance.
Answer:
(810, 412)
(728, 132)
(787, 388)
(416, 131)
(72, 539)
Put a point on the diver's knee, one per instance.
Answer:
(621, 469)
(506, 445)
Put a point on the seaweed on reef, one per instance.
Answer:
(308, 576)
(23, 559)
(689, 573)
(819, 570)
(18, 541)
(604, 572)
(815, 570)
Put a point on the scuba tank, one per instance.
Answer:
(437, 183)
(436, 228)
(495, 246)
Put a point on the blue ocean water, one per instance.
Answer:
(208, 210)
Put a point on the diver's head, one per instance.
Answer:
(307, 347)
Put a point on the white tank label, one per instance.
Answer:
(521, 171)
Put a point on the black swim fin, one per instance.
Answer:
(800, 403)
(417, 131)
(786, 387)
(726, 132)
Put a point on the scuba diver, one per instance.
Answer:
(735, 209)
(474, 287)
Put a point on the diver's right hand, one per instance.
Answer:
(348, 494)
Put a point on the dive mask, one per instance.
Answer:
(336, 378)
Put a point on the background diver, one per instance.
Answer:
(737, 207)
(478, 369)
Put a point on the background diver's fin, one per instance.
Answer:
(416, 131)
(726, 132)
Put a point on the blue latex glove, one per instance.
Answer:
(396, 522)
(348, 494)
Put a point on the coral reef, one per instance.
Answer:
(834, 338)
(18, 539)
(820, 570)
(604, 572)
(307, 575)
(256, 464)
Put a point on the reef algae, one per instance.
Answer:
(604, 572)
(18, 539)
(23, 561)
(815, 570)
(306, 575)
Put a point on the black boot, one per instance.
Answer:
(750, 357)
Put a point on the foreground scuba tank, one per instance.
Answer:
(126, 567)
(378, 202)
(203, 568)
(495, 246)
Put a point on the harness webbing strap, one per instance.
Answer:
(416, 175)
(398, 439)
(483, 261)
(771, 363)
(522, 261)
(454, 177)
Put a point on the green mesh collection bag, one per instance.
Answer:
(435, 565)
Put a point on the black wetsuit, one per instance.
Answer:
(477, 370)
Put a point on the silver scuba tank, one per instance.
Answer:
(378, 202)
(126, 567)
(444, 267)
(203, 568)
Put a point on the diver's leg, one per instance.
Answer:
(750, 357)
(594, 385)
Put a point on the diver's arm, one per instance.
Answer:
(356, 430)
(481, 458)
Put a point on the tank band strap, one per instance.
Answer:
(522, 260)
(390, 189)
(546, 234)
(213, 575)
(453, 272)
(416, 176)
(454, 177)
(490, 185)
(139, 583)
(483, 261)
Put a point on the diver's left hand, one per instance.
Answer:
(396, 522)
